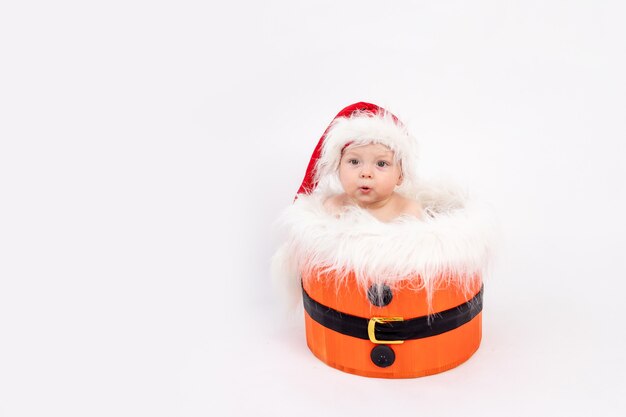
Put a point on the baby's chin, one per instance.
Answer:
(366, 201)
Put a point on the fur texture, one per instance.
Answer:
(451, 244)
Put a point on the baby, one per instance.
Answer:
(369, 175)
(365, 158)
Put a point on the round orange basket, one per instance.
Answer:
(387, 298)
(391, 332)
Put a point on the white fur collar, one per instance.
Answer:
(451, 243)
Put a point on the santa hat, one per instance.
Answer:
(359, 124)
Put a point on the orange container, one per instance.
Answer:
(438, 339)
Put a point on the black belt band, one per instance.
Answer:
(409, 329)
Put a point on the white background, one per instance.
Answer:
(147, 147)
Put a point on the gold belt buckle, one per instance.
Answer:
(371, 326)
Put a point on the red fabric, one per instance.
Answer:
(308, 184)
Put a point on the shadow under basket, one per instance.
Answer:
(385, 332)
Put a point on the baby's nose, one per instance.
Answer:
(366, 173)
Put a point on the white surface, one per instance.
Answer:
(136, 201)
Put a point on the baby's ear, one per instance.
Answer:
(400, 179)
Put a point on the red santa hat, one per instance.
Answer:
(359, 124)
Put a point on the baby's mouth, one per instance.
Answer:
(365, 189)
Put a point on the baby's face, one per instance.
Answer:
(369, 174)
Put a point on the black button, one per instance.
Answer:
(383, 356)
(379, 295)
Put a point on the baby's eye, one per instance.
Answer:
(382, 164)
(353, 161)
